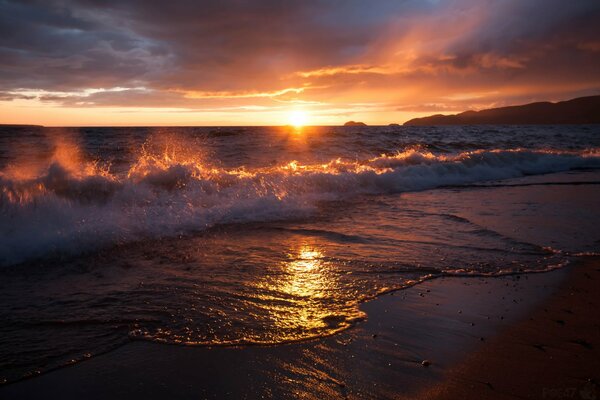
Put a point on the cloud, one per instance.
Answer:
(9, 96)
(267, 53)
(150, 98)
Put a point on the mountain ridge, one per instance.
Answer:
(581, 110)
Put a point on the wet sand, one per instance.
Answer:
(553, 354)
(475, 332)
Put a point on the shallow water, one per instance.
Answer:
(206, 236)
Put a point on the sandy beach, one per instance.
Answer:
(553, 354)
(540, 327)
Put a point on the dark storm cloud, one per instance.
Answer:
(520, 34)
(208, 45)
(60, 46)
(510, 24)
(262, 46)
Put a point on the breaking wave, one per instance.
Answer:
(69, 204)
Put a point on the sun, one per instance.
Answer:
(298, 118)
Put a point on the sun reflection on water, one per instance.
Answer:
(303, 296)
(308, 275)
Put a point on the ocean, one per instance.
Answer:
(267, 235)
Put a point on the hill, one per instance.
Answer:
(582, 110)
(355, 123)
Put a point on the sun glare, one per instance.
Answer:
(298, 119)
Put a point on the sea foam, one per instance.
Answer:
(69, 205)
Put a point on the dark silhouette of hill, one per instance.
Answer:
(354, 123)
(19, 126)
(582, 110)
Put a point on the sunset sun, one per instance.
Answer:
(298, 119)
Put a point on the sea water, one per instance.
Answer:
(265, 235)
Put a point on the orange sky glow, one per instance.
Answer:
(113, 64)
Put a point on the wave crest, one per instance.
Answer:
(69, 204)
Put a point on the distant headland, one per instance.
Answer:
(19, 126)
(355, 123)
(582, 110)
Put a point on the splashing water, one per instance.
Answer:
(67, 203)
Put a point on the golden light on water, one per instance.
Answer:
(308, 259)
(307, 274)
(302, 296)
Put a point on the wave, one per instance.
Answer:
(69, 205)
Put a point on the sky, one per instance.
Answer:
(150, 62)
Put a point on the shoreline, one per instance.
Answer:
(555, 353)
(446, 321)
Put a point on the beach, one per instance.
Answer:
(471, 330)
(551, 354)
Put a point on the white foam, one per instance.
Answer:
(69, 209)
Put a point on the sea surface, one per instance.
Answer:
(266, 235)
